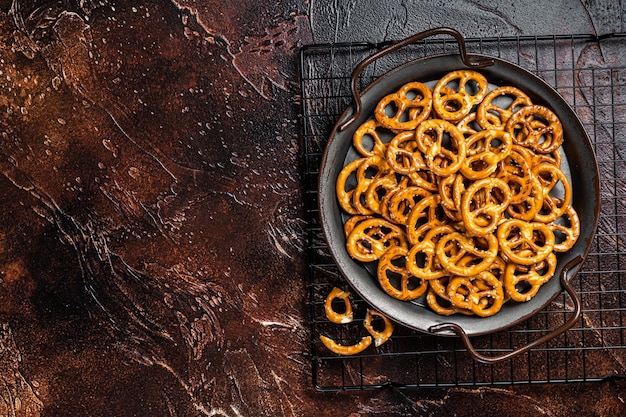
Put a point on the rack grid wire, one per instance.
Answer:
(593, 81)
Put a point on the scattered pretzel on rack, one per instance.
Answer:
(378, 336)
(459, 195)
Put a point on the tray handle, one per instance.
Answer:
(565, 283)
(358, 105)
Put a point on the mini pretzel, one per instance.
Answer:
(453, 247)
(553, 207)
(421, 260)
(370, 238)
(454, 103)
(446, 192)
(526, 208)
(425, 211)
(485, 149)
(531, 277)
(431, 136)
(346, 349)
(392, 264)
(402, 154)
(482, 217)
(407, 112)
(468, 124)
(482, 294)
(377, 190)
(401, 204)
(370, 131)
(493, 116)
(345, 193)
(525, 243)
(348, 226)
(536, 127)
(331, 314)
(567, 231)
(380, 337)
(514, 169)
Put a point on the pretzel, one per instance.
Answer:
(369, 239)
(567, 231)
(377, 190)
(348, 226)
(421, 260)
(553, 207)
(331, 314)
(430, 136)
(453, 104)
(400, 205)
(380, 337)
(407, 112)
(482, 217)
(493, 116)
(402, 154)
(468, 124)
(346, 349)
(409, 286)
(453, 247)
(425, 211)
(372, 131)
(485, 149)
(536, 127)
(526, 208)
(345, 193)
(525, 243)
(482, 294)
(531, 277)
(514, 169)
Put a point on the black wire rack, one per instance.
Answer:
(590, 73)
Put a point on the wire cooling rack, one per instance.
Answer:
(590, 73)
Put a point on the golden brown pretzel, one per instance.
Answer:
(370, 131)
(426, 211)
(431, 136)
(453, 103)
(482, 294)
(402, 153)
(493, 116)
(346, 349)
(382, 336)
(377, 190)
(421, 260)
(525, 243)
(392, 263)
(370, 238)
(407, 112)
(484, 150)
(532, 278)
(566, 231)
(401, 204)
(343, 191)
(550, 176)
(335, 317)
(536, 127)
(482, 205)
(453, 249)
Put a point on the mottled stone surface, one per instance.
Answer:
(152, 249)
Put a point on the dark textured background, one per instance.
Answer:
(152, 248)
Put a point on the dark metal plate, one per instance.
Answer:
(579, 163)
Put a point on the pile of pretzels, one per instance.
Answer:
(458, 194)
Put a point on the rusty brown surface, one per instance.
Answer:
(152, 248)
